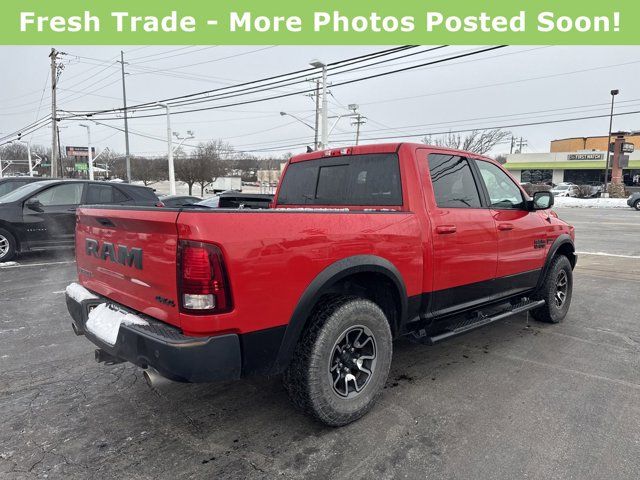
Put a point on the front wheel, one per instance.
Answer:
(341, 364)
(7, 246)
(556, 290)
(636, 205)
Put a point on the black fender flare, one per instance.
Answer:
(563, 239)
(322, 284)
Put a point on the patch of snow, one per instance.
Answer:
(79, 293)
(8, 264)
(605, 254)
(104, 322)
(570, 202)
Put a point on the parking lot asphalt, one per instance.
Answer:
(513, 400)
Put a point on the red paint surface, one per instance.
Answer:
(272, 257)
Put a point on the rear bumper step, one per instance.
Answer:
(158, 345)
(481, 320)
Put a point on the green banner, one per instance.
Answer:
(328, 22)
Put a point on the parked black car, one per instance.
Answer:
(42, 215)
(179, 200)
(634, 201)
(10, 184)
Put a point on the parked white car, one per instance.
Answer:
(565, 190)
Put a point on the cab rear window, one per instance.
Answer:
(372, 179)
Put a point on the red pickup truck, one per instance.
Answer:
(361, 245)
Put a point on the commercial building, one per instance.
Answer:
(580, 160)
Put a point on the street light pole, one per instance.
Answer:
(89, 152)
(190, 136)
(28, 144)
(172, 173)
(606, 171)
(286, 114)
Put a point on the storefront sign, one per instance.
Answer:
(79, 151)
(628, 147)
(585, 156)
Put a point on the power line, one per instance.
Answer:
(446, 132)
(147, 58)
(268, 87)
(305, 72)
(500, 84)
(404, 69)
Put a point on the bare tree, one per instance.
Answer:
(476, 141)
(211, 159)
(188, 170)
(148, 170)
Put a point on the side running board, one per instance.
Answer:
(481, 320)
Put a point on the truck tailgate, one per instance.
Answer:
(129, 256)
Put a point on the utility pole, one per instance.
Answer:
(523, 143)
(325, 108)
(317, 124)
(54, 121)
(513, 142)
(356, 119)
(60, 169)
(126, 121)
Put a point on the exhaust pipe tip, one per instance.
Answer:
(154, 380)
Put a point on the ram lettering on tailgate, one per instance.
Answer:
(130, 257)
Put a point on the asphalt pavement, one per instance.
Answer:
(517, 399)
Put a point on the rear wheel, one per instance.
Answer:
(556, 291)
(7, 246)
(342, 362)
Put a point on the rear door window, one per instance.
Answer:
(358, 180)
(104, 194)
(453, 183)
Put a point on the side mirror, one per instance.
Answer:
(34, 204)
(542, 201)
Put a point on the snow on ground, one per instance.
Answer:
(162, 188)
(569, 202)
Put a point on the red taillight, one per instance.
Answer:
(204, 287)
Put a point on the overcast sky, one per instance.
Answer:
(509, 86)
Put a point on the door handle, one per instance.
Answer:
(445, 229)
(505, 226)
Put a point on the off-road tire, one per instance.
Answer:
(551, 311)
(8, 246)
(308, 379)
